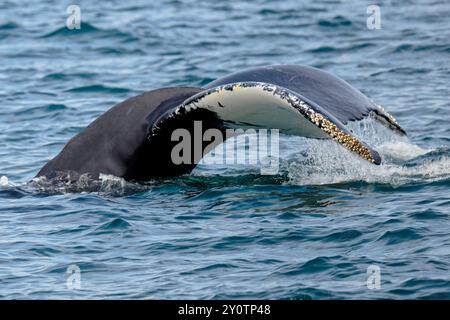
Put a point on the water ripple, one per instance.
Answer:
(225, 232)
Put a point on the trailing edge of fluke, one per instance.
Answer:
(133, 139)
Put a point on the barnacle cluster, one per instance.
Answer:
(338, 135)
(349, 142)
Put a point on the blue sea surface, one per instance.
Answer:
(226, 232)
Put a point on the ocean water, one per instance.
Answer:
(310, 232)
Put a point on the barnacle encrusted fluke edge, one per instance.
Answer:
(133, 139)
(213, 98)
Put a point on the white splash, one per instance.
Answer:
(325, 162)
(110, 183)
(331, 170)
(4, 182)
(401, 150)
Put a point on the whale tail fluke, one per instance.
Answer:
(134, 139)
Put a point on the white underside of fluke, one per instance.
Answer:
(263, 105)
(253, 106)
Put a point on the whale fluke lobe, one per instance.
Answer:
(331, 93)
(116, 142)
(134, 139)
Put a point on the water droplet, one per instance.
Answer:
(4, 181)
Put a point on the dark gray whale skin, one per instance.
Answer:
(120, 142)
(115, 143)
(335, 95)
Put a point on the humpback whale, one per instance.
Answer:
(132, 140)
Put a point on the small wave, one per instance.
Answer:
(41, 110)
(9, 29)
(107, 185)
(402, 70)
(335, 22)
(267, 12)
(85, 28)
(99, 89)
(115, 224)
(9, 26)
(315, 265)
(68, 76)
(409, 47)
(428, 214)
(342, 236)
(212, 268)
(351, 48)
(323, 49)
(10, 190)
(397, 236)
(120, 51)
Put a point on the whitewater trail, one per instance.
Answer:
(325, 162)
(303, 161)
